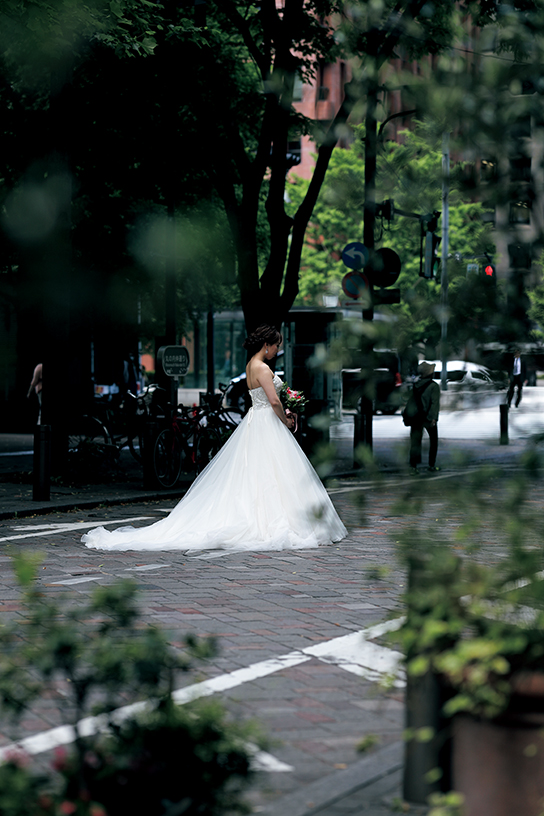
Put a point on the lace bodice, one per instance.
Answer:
(258, 396)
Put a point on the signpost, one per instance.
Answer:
(355, 255)
(355, 284)
(382, 268)
(174, 360)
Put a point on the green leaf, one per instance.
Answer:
(26, 567)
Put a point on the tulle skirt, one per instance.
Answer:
(260, 492)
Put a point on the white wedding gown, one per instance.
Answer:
(260, 492)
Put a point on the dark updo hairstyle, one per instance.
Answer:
(264, 334)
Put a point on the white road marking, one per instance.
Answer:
(66, 528)
(239, 676)
(82, 580)
(371, 485)
(347, 652)
(263, 761)
(51, 526)
(145, 567)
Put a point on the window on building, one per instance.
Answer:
(297, 88)
(521, 129)
(520, 212)
(488, 170)
(520, 168)
(294, 152)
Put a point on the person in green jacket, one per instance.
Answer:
(426, 399)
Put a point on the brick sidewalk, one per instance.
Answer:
(261, 606)
(258, 606)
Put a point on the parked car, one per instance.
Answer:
(464, 376)
(387, 388)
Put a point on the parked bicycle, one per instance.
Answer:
(193, 437)
(113, 426)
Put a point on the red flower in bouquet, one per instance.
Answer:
(294, 402)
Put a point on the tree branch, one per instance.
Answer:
(285, 65)
(304, 212)
(390, 39)
(262, 60)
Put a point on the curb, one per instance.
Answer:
(62, 506)
(313, 798)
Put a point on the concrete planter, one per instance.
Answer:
(498, 765)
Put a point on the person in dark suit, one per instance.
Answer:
(425, 405)
(518, 378)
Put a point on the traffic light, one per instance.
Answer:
(489, 272)
(428, 256)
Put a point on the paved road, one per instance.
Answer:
(298, 632)
(478, 418)
(300, 635)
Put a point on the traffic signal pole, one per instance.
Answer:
(444, 264)
(363, 433)
(369, 211)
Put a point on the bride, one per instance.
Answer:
(260, 492)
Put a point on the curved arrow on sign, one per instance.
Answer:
(355, 255)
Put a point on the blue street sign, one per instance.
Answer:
(355, 255)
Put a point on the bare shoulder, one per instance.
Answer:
(258, 373)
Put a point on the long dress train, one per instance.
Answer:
(260, 492)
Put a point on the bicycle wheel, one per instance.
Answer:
(136, 418)
(88, 432)
(136, 446)
(167, 458)
(207, 444)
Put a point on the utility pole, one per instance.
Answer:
(363, 427)
(444, 265)
(369, 212)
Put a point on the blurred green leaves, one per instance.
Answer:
(143, 753)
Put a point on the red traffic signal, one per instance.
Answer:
(489, 270)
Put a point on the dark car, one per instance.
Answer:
(384, 387)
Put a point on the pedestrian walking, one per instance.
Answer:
(518, 378)
(421, 412)
(36, 388)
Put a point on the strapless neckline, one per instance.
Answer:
(276, 380)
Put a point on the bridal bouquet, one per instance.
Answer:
(294, 402)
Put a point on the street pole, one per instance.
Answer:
(170, 300)
(371, 153)
(444, 266)
(210, 352)
(371, 150)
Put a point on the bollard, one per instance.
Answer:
(504, 424)
(357, 435)
(368, 415)
(424, 700)
(41, 476)
(362, 428)
(151, 431)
